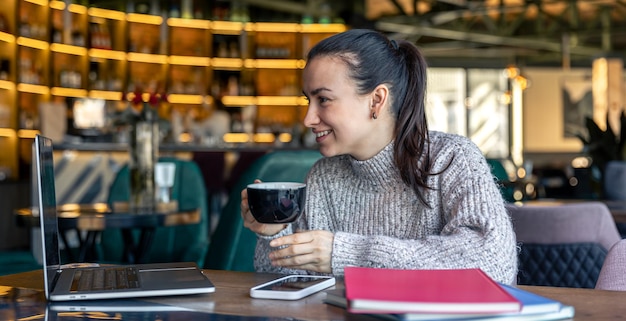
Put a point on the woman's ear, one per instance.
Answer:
(380, 99)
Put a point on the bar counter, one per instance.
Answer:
(122, 147)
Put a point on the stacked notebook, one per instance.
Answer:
(460, 294)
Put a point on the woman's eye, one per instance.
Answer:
(322, 100)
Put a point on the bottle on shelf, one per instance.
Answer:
(220, 11)
(236, 12)
(325, 14)
(222, 50)
(233, 50)
(5, 69)
(142, 7)
(174, 9)
(4, 23)
(247, 84)
(233, 86)
(115, 83)
(30, 29)
(5, 112)
(95, 79)
(100, 37)
(77, 37)
(187, 9)
(57, 35)
(70, 78)
(30, 71)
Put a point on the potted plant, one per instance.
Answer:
(608, 154)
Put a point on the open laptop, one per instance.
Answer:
(86, 282)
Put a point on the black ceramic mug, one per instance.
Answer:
(276, 202)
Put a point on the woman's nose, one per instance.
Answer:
(311, 119)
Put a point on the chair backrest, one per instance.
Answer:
(613, 273)
(232, 245)
(171, 244)
(563, 244)
(502, 176)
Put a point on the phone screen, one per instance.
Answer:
(293, 284)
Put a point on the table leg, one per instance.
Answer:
(88, 247)
(68, 250)
(147, 236)
(129, 246)
(135, 253)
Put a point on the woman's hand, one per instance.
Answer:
(251, 223)
(307, 250)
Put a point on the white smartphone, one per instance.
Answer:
(292, 287)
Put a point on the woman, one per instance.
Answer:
(388, 192)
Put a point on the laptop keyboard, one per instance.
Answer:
(102, 279)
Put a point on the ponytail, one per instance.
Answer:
(411, 131)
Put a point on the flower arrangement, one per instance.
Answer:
(142, 116)
(139, 108)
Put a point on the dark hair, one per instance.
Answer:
(373, 59)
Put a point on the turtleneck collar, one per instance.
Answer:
(378, 170)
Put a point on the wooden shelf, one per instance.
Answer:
(107, 52)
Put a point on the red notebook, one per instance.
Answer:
(467, 291)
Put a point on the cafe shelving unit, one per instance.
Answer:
(51, 51)
(8, 99)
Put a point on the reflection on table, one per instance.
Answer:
(89, 220)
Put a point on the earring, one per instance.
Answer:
(374, 115)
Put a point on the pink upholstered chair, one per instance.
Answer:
(613, 273)
(564, 244)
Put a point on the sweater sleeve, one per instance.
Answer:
(263, 249)
(476, 230)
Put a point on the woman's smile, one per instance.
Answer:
(319, 136)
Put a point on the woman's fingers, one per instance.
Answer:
(309, 250)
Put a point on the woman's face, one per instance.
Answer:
(340, 118)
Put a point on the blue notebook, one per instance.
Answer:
(532, 303)
(534, 307)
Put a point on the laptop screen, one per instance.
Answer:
(47, 209)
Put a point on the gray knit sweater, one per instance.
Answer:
(378, 221)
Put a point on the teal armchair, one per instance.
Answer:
(232, 245)
(500, 173)
(17, 261)
(170, 244)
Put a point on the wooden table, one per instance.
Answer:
(232, 298)
(95, 218)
